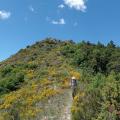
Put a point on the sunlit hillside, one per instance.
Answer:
(35, 82)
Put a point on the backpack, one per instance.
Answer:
(73, 83)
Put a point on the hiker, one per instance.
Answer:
(73, 86)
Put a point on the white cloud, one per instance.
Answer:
(59, 22)
(31, 8)
(4, 15)
(61, 6)
(76, 4)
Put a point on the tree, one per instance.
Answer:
(111, 44)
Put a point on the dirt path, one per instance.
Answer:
(67, 109)
(58, 108)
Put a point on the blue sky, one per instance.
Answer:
(22, 22)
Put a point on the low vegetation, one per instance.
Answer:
(34, 76)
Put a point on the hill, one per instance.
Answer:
(34, 83)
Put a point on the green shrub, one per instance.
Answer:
(6, 70)
(11, 83)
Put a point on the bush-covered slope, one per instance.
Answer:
(34, 81)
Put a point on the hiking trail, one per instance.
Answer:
(59, 107)
(67, 107)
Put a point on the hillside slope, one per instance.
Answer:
(34, 83)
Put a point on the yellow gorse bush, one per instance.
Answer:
(52, 72)
(75, 106)
(30, 74)
(66, 83)
(25, 99)
(75, 74)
